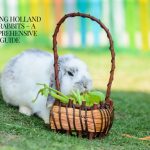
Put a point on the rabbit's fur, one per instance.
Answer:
(21, 75)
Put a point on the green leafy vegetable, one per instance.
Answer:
(90, 97)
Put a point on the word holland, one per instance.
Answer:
(20, 19)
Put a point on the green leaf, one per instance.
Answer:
(90, 97)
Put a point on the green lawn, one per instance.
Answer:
(131, 95)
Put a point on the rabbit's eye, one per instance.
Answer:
(70, 73)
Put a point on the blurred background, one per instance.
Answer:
(127, 20)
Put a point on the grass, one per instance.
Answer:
(131, 94)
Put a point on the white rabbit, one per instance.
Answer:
(21, 75)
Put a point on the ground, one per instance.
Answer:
(131, 95)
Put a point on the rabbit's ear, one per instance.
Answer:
(50, 99)
(52, 80)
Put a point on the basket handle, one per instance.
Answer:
(111, 48)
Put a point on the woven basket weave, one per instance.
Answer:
(85, 121)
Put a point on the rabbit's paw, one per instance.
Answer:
(25, 110)
(46, 120)
(44, 114)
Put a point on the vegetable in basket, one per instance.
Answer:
(90, 97)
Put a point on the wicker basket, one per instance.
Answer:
(84, 121)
